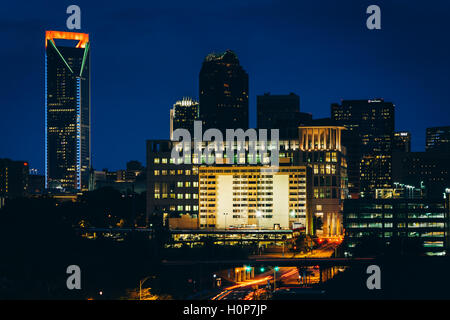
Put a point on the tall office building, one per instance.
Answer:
(281, 112)
(183, 114)
(402, 141)
(67, 110)
(438, 139)
(370, 125)
(223, 92)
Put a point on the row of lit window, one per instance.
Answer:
(178, 196)
(173, 172)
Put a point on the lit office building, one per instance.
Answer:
(370, 125)
(321, 149)
(172, 189)
(67, 110)
(393, 219)
(254, 197)
(376, 173)
(183, 114)
(438, 139)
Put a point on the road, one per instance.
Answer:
(257, 287)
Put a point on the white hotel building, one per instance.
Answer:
(253, 197)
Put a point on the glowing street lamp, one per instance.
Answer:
(275, 277)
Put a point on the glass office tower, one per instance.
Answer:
(67, 110)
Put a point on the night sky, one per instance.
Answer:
(147, 54)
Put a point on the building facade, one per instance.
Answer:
(430, 168)
(391, 219)
(67, 110)
(253, 197)
(172, 189)
(223, 92)
(320, 147)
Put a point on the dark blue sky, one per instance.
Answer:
(147, 54)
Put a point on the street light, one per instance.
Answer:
(275, 277)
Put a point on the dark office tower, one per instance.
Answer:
(183, 114)
(223, 92)
(68, 110)
(438, 139)
(370, 134)
(428, 169)
(402, 142)
(13, 178)
(281, 112)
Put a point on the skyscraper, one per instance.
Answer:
(223, 92)
(281, 112)
(368, 140)
(67, 110)
(438, 139)
(183, 114)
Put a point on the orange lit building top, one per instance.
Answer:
(82, 38)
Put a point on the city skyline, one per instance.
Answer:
(266, 74)
(190, 151)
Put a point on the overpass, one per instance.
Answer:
(281, 262)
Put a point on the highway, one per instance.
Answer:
(258, 286)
